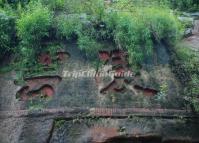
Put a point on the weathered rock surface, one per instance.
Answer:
(11, 129)
(136, 114)
(129, 130)
(36, 130)
(8, 91)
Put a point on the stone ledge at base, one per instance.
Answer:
(99, 112)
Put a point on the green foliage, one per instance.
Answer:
(32, 27)
(131, 28)
(161, 97)
(90, 7)
(55, 4)
(72, 6)
(38, 103)
(95, 8)
(162, 24)
(68, 26)
(136, 29)
(129, 24)
(195, 103)
(53, 48)
(130, 33)
(194, 84)
(34, 23)
(189, 60)
(1, 3)
(68, 6)
(89, 45)
(82, 27)
(184, 5)
(13, 3)
(7, 29)
(59, 123)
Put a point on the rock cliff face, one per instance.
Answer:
(147, 107)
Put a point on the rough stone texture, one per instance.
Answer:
(196, 27)
(102, 130)
(36, 130)
(35, 86)
(8, 91)
(193, 42)
(45, 59)
(10, 130)
(25, 130)
(101, 134)
(122, 92)
(85, 93)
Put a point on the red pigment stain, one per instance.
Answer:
(146, 91)
(119, 72)
(47, 91)
(38, 86)
(37, 82)
(120, 89)
(45, 59)
(118, 53)
(110, 87)
(44, 91)
(61, 56)
(104, 55)
(119, 61)
(102, 134)
(22, 93)
(116, 58)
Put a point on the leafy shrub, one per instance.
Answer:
(187, 57)
(89, 45)
(7, 29)
(188, 70)
(68, 26)
(95, 8)
(195, 103)
(131, 34)
(162, 24)
(192, 91)
(1, 3)
(55, 4)
(33, 26)
(90, 7)
(190, 5)
(182, 5)
(14, 3)
(136, 29)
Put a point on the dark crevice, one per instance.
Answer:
(146, 91)
(136, 139)
(44, 77)
(51, 132)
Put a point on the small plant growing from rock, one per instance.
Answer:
(161, 96)
(59, 123)
(122, 130)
